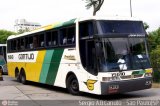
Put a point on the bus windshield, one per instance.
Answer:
(119, 27)
(118, 54)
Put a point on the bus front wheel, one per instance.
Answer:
(72, 85)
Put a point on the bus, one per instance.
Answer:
(97, 55)
(3, 64)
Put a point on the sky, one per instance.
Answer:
(49, 11)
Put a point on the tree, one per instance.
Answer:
(154, 39)
(155, 63)
(96, 5)
(146, 26)
(154, 46)
(4, 35)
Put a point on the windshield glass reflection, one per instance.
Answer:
(118, 54)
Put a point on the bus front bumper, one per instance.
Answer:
(125, 85)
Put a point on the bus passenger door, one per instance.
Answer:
(91, 64)
(91, 57)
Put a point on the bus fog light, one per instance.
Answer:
(148, 83)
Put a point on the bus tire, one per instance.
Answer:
(73, 85)
(23, 77)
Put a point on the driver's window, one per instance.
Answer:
(86, 29)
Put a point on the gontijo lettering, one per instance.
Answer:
(26, 56)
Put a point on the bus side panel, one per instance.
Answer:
(67, 63)
(11, 69)
(45, 66)
(33, 70)
(51, 66)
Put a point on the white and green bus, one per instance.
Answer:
(96, 55)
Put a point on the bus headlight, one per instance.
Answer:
(148, 74)
(110, 78)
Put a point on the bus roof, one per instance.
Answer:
(108, 18)
(72, 21)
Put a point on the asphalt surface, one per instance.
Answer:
(34, 94)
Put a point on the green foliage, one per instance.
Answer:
(4, 35)
(146, 26)
(154, 39)
(156, 75)
(155, 62)
(155, 57)
(154, 46)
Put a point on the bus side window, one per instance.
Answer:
(67, 36)
(13, 45)
(22, 44)
(9, 46)
(26, 43)
(17, 44)
(86, 29)
(52, 38)
(30, 42)
(55, 38)
(64, 40)
(63, 36)
(71, 35)
(41, 40)
(35, 41)
(48, 39)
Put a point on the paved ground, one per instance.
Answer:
(33, 94)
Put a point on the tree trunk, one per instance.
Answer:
(98, 7)
(94, 12)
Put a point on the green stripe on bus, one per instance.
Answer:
(70, 22)
(138, 72)
(53, 69)
(142, 72)
(46, 65)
